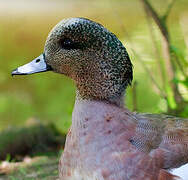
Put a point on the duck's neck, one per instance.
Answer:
(117, 100)
(91, 115)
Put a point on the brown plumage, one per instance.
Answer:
(106, 141)
(164, 175)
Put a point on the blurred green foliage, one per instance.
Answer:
(33, 140)
(50, 97)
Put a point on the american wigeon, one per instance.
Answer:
(106, 141)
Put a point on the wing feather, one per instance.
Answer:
(164, 137)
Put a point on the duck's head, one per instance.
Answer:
(88, 53)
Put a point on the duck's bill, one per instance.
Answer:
(35, 66)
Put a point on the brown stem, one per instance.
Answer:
(156, 49)
(156, 18)
(170, 67)
(166, 14)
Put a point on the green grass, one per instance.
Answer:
(46, 168)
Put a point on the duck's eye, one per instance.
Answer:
(68, 44)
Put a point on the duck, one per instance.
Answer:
(106, 141)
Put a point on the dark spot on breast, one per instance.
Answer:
(84, 133)
(86, 119)
(69, 173)
(73, 144)
(108, 118)
(105, 173)
(109, 131)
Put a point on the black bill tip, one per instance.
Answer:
(16, 72)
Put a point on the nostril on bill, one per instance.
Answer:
(38, 60)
